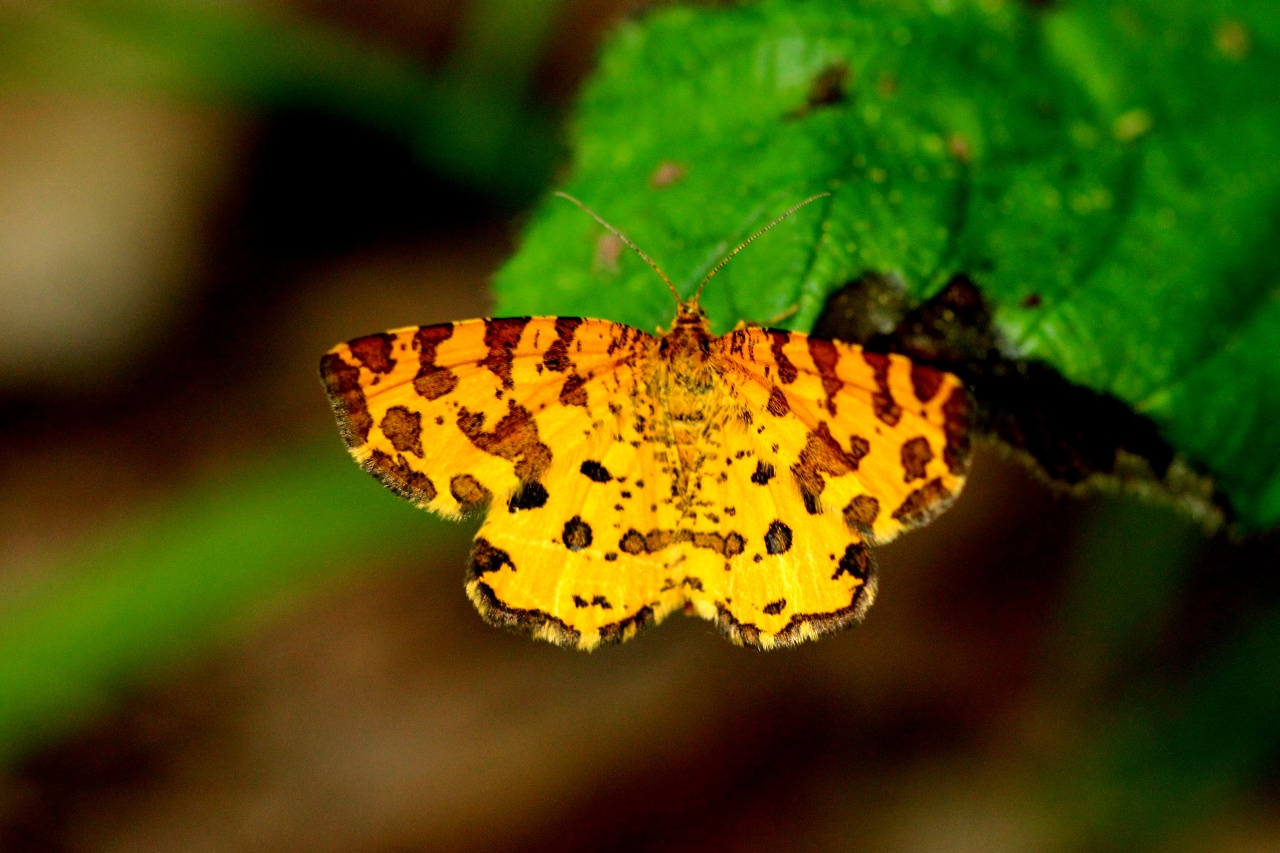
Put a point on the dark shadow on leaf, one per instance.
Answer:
(1073, 436)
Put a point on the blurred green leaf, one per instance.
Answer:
(1174, 758)
(472, 120)
(170, 582)
(1129, 572)
(1107, 172)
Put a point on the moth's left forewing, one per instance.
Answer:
(459, 415)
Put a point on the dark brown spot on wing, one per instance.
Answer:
(861, 513)
(601, 602)
(739, 343)
(574, 392)
(825, 356)
(916, 456)
(403, 429)
(531, 495)
(485, 558)
(514, 438)
(786, 370)
(469, 492)
(656, 540)
(777, 539)
(576, 534)
(632, 542)
(882, 402)
(822, 454)
(730, 544)
(925, 381)
(433, 381)
(802, 626)
(501, 337)
(595, 472)
(763, 474)
(374, 352)
(627, 338)
(778, 405)
(955, 425)
(396, 475)
(342, 381)
(773, 608)
(556, 357)
(855, 561)
(923, 503)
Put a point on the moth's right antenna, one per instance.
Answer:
(748, 242)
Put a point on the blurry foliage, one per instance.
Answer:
(1105, 171)
(470, 120)
(177, 578)
(174, 579)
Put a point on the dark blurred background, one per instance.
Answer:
(216, 634)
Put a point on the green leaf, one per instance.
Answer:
(1106, 172)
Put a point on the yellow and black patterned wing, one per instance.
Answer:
(566, 571)
(817, 448)
(842, 448)
(876, 438)
(527, 417)
(450, 416)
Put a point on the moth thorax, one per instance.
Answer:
(688, 344)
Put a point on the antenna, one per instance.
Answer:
(748, 242)
(623, 237)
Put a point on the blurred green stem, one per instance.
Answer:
(170, 582)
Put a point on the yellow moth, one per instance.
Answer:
(626, 475)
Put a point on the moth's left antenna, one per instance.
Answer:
(625, 239)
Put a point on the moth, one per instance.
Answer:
(626, 475)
